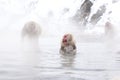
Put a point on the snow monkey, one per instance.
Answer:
(31, 29)
(68, 45)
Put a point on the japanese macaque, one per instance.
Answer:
(68, 45)
(31, 29)
(30, 36)
(109, 30)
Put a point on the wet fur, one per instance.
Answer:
(71, 44)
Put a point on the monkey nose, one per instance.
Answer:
(64, 40)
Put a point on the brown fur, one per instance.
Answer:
(70, 42)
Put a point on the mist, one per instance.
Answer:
(31, 58)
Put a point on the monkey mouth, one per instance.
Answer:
(65, 41)
(65, 38)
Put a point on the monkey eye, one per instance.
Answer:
(65, 36)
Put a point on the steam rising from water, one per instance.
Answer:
(54, 18)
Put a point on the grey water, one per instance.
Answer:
(95, 60)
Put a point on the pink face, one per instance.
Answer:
(65, 39)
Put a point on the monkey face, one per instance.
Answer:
(67, 39)
(31, 29)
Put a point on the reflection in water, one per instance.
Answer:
(86, 66)
(30, 56)
(67, 60)
(30, 44)
(30, 48)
